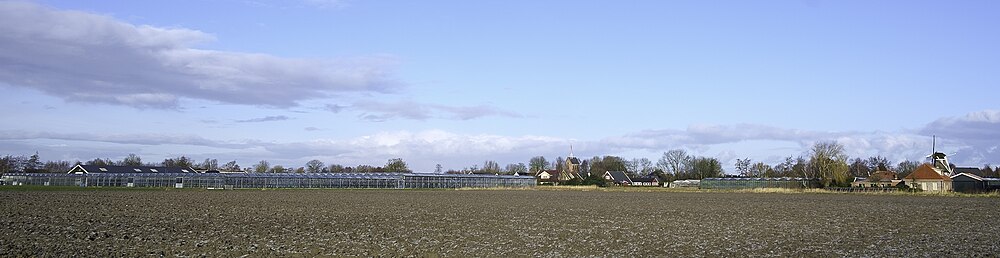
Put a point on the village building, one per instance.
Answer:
(617, 178)
(882, 179)
(570, 170)
(927, 178)
(553, 177)
(646, 181)
(969, 170)
(525, 173)
(573, 166)
(971, 183)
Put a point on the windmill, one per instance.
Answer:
(939, 160)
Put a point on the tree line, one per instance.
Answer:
(675, 165)
(828, 162)
(825, 161)
(33, 164)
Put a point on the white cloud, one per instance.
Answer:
(706, 134)
(285, 4)
(377, 111)
(326, 3)
(425, 148)
(137, 139)
(264, 119)
(86, 57)
(981, 125)
(978, 134)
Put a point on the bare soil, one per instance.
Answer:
(491, 223)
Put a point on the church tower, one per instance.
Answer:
(573, 164)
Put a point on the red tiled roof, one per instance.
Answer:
(925, 171)
(882, 176)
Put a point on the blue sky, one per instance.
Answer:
(460, 82)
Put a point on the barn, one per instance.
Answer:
(971, 183)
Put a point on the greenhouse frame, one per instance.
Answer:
(753, 183)
(270, 180)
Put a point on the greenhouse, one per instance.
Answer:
(269, 180)
(752, 183)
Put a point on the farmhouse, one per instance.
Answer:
(617, 178)
(553, 177)
(883, 179)
(927, 178)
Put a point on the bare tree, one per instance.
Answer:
(632, 167)
(904, 168)
(518, 168)
(859, 167)
(131, 160)
(559, 164)
(743, 167)
(879, 163)
(209, 164)
(784, 169)
(181, 162)
(56, 166)
(231, 166)
(538, 163)
(315, 166)
(674, 161)
(987, 171)
(761, 169)
(645, 166)
(100, 162)
(262, 167)
(12, 163)
(491, 167)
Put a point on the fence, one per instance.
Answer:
(270, 180)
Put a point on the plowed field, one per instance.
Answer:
(491, 223)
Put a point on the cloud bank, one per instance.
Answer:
(969, 142)
(378, 111)
(264, 119)
(85, 57)
(977, 134)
